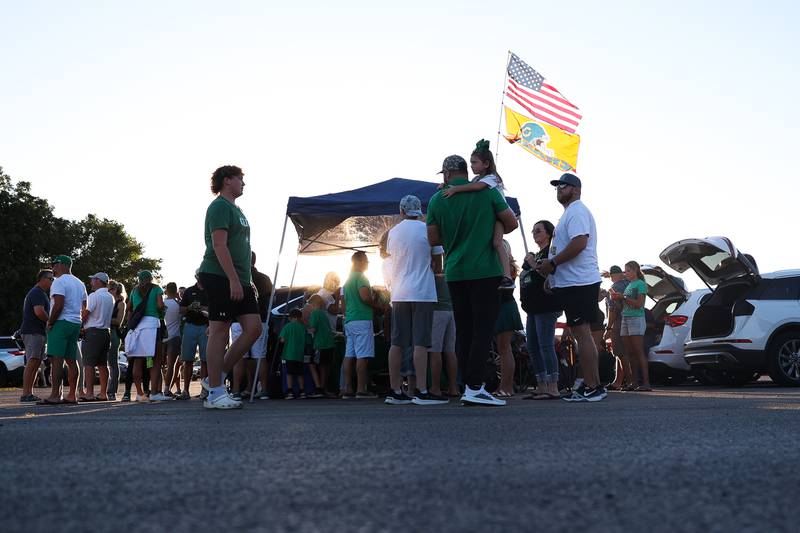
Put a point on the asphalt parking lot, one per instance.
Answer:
(686, 458)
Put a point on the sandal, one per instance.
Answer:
(547, 396)
(48, 401)
(502, 394)
(643, 388)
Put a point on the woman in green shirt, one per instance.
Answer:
(634, 325)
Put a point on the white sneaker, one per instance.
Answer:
(480, 397)
(160, 397)
(222, 401)
(141, 398)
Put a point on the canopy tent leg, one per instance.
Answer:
(522, 231)
(269, 307)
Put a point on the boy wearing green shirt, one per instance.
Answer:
(293, 339)
(360, 345)
(320, 327)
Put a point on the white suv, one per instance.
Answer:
(750, 324)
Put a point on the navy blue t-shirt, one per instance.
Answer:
(31, 324)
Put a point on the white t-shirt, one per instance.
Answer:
(329, 300)
(582, 269)
(412, 277)
(172, 317)
(100, 306)
(74, 292)
(493, 182)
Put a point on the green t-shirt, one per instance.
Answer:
(294, 338)
(444, 302)
(466, 224)
(222, 214)
(151, 308)
(355, 308)
(323, 336)
(634, 289)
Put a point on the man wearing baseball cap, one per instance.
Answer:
(97, 336)
(464, 225)
(575, 279)
(413, 296)
(67, 301)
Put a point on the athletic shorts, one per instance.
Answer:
(443, 334)
(194, 338)
(220, 306)
(259, 348)
(62, 340)
(172, 346)
(294, 368)
(579, 303)
(360, 340)
(34, 345)
(632, 326)
(324, 356)
(412, 323)
(95, 346)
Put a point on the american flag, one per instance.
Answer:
(540, 100)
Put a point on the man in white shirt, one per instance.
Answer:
(172, 340)
(67, 301)
(97, 336)
(575, 279)
(413, 298)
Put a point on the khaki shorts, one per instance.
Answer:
(34, 345)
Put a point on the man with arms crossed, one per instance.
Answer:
(575, 279)
(464, 225)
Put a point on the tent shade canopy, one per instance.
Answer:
(355, 220)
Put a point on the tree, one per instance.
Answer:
(31, 235)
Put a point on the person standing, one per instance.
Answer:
(634, 325)
(443, 332)
(226, 276)
(358, 307)
(117, 290)
(464, 225)
(508, 322)
(97, 336)
(263, 287)
(35, 311)
(147, 305)
(67, 301)
(194, 308)
(614, 312)
(172, 339)
(413, 296)
(575, 279)
(543, 312)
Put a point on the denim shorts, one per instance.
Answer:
(360, 340)
(632, 326)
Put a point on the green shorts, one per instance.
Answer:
(62, 340)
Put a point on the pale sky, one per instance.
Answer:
(125, 109)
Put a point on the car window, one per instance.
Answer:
(8, 344)
(776, 289)
(671, 308)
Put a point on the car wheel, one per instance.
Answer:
(784, 359)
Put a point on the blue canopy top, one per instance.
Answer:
(356, 220)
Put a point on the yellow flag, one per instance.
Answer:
(546, 142)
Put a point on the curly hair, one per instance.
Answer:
(219, 175)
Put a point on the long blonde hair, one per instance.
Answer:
(332, 282)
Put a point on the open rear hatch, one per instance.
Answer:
(667, 291)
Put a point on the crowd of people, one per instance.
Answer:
(450, 277)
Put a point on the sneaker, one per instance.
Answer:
(578, 394)
(222, 401)
(348, 395)
(237, 396)
(141, 398)
(596, 394)
(29, 398)
(289, 397)
(480, 397)
(264, 395)
(112, 397)
(183, 396)
(126, 397)
(507, 284)
(366, 395)
(302, 395)
(397, 399)
(428, 398)
(159, 398)
(169, 394)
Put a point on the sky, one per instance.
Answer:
(125, 109)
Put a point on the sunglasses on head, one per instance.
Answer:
(562, 186)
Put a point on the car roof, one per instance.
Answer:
(782, 274)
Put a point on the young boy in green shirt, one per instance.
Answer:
(320, 327)
(293, 339)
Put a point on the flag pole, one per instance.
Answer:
(502, 104)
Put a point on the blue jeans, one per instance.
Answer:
(540, 339)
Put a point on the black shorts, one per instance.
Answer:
(579, 303)
(294, 368)
(325, 356)
(599, 322)
(220, 306)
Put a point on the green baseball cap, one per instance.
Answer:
(62, 260)
(144, 275)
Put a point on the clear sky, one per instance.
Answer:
(124, 109)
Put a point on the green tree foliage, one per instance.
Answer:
(31, 235)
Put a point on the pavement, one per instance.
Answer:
(685, 458)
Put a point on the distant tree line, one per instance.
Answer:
(31, 235)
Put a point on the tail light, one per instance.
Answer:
(18, 353)
(674, 321)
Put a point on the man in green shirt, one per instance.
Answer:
(226, 278)
(464, 225)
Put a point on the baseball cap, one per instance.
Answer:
(411, 206)
(615, 269)
(144, 275)
(567, 179)
(62, 260)
(453, 162)
(102, 276)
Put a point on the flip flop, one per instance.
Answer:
(48, 401)
(547, 396)
(70, 402)
(89, 399)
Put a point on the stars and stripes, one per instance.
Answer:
(529, 90)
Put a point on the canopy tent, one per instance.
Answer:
(355, 220)
(341, 222)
